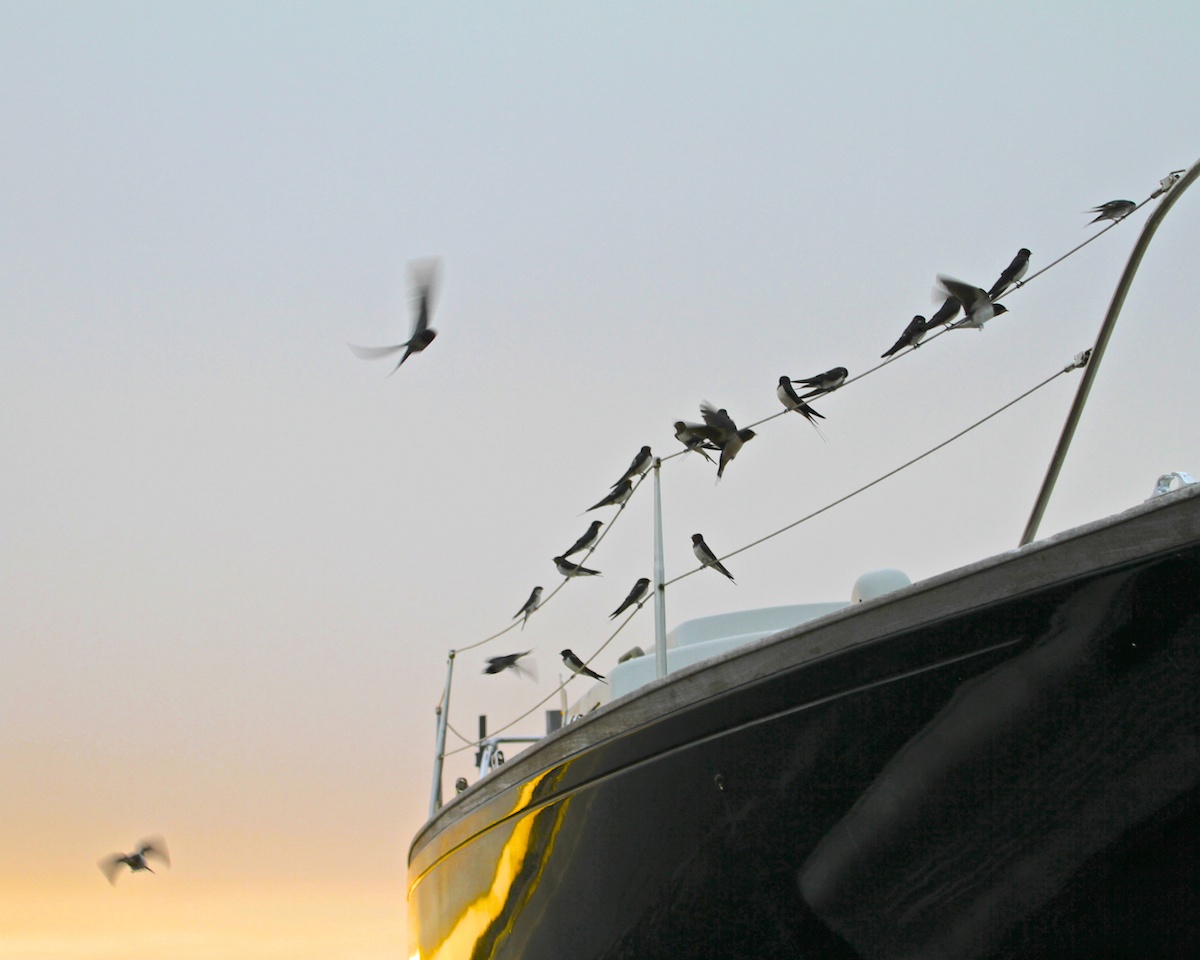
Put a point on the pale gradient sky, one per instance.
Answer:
(234, 556)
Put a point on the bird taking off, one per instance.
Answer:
(135, 861)
(510, 661)
(424, 275)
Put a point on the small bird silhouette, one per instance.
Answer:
(912, 336)
(618, 495)
(945, 313)
(694, 436)
(977, 306)
(1011, 274)
(825, 382)
(1113, 210)
(535, 597)
(640, 589)
(590, 536)
(569, 569)
(725, 434)
(135, 861)
(575, 665)
(510, 661)
(422, 334)
(707, 557)
(789, 398)
(641, 463)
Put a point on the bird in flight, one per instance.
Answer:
(422, 336)
(722, 431)
(510, 661)
(575, 665)
(135, 861)
(977, 306)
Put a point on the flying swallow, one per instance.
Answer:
(725, 434)
(825, 382)
(692, 436)
(1012, 274)
(589, 537)
(707, 557)
(422, 334)
(641, 463)
(575, 665)
(912, 336)
(509, 662)
(135, 861)
(1113, 210)
(789, 398)
(618, 495)
(640, 589)
(569, 569)
(531, 604)
(945, 313)
(977, 306)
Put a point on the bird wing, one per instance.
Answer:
(717, 420)
(155, 847)
(374, 353)
(964, 293)
(424, 276)
(110, 865)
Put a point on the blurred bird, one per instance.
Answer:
(692, 436)
(422, 334)
(509, 661)
(1012, 274)
(640, 589)
(641, 463)
(789, 398)
(977, 306)
(945, 313)
(590, 536)
(725, 434)
(135, 861)
(707, 557)
(569, 569)
(1113, 210)
(575, 665)
(825, 382)
(535, 598)
(618, 495)
(912, 336)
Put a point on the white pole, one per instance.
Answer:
(442, 711)
(660, 590)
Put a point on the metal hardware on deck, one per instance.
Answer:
(491, 757)
(1166, 483)
(660, 589)
(1173, 187)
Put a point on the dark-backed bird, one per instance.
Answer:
(707, 557)
(569, 569)
(535, 597)
(789, 398)
(825, 382)
(1113, 210)
(639, 591)
(641, 463)
(977, 306)
(945, 313)
(1011, 274)
(575, 665)
(590, 536)
(618, 495)
(725, 434)
(912, 336)
(509, 661)
(135, 861)
(422, 334)
(694, 437)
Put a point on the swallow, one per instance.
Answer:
(1012, 274)
(509, 661)
(1113, 210)
(825, 382)
(422, 334)
(641, 463)
(135, 861)
(535, 598)
(707, 557)
(569, 569)
(912, 336)
(945, 313)
(639, 591)
(618, 495)
(789, 398)
(725, 434)
(575, 665)
(590, 536)
(691, 435)
(977, 306)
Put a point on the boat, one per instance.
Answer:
(1000, 761)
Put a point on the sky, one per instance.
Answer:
(234, 556)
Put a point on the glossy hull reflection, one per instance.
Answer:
(1015, 777)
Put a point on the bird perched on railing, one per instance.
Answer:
(135, 861)
(422, 334)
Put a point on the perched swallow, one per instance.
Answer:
(725, 434)
(1113, 210)
(641, 463)
(640, 589)
(789, 398)
(1012, 274)
(135, 861)
(531, 604)
(422, 334)
(569, 569)
(618, 495)
(977, 306)
(575, 665)
(825, 382)
(707, 557)
(912, 336)
(509, 662)
(590, 537)
(945, 313)
(691, 435)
